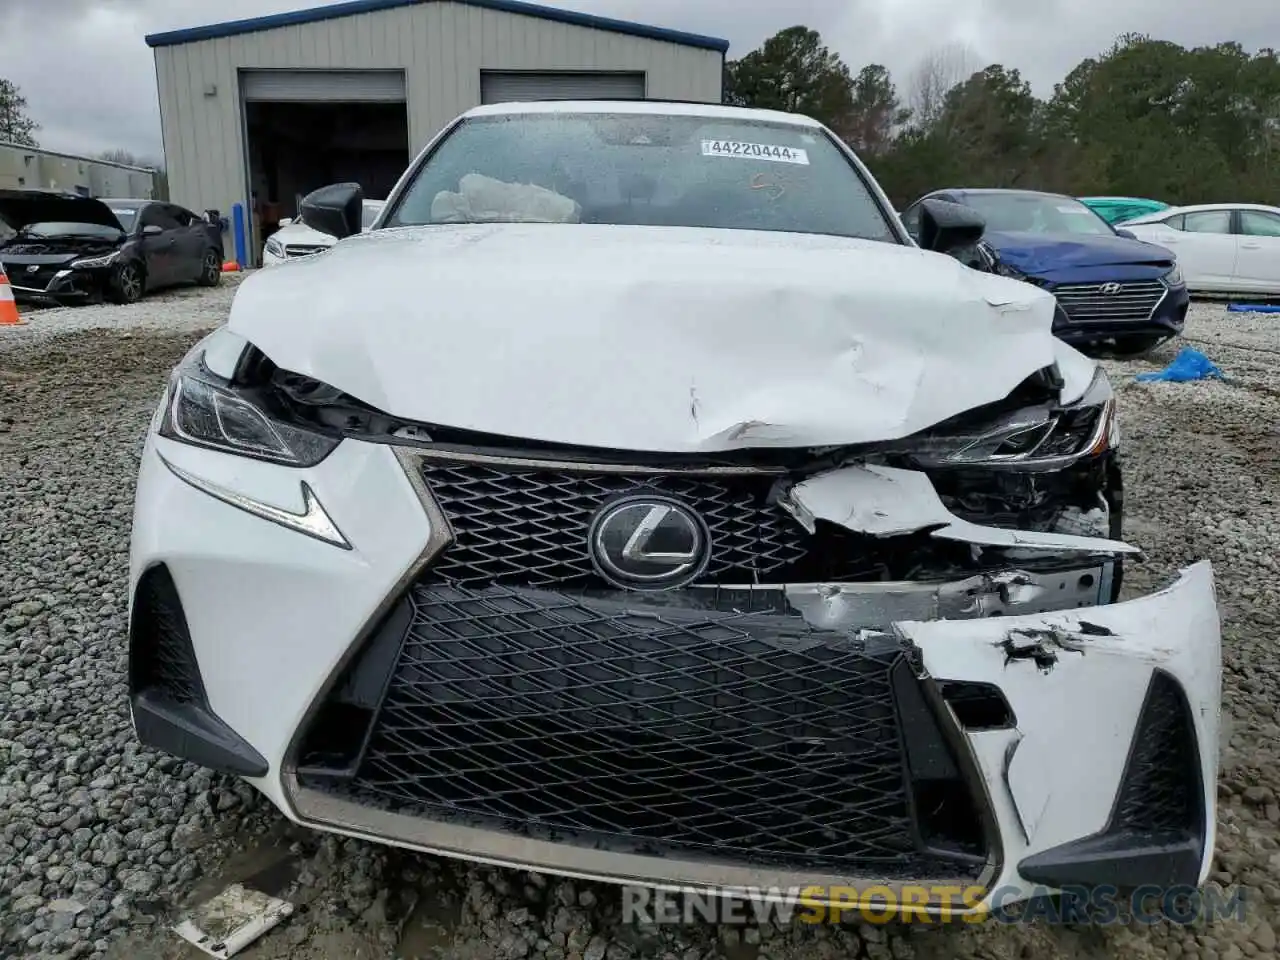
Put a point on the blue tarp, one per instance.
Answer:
(1254, 307)
(1189, 364)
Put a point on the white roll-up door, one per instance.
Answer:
(383, 86)
(504, 87)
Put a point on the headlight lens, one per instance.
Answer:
(206, 414)
(94, 262)
(1174, 277)
(1033, 439)
(275, 248)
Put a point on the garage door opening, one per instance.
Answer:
(306, 130)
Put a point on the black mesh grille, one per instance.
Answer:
(744, 737)
(529, 528)
(161, 658)
(1161, 789)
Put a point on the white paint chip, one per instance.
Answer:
(232, 920)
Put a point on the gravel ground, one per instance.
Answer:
(101, 841)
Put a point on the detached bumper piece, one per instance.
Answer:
(1156, 833)
(170, 710)
(744, 739)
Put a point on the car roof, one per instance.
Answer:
(991, 191)
(1201, 208)
(655, 108)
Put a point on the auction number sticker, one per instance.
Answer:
(754, 151)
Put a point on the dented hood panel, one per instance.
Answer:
(647, 338)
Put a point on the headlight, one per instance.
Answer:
(91, 263)
(205, 413)
(275, 248)
(1037, 438)
(1174, 277)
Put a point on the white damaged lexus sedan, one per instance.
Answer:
(654, 510)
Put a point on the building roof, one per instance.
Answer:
(27, 148)
(349, 8)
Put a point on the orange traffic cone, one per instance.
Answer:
(8, 309)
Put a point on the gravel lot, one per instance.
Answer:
(100, 841)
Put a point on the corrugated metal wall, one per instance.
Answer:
(442, 47)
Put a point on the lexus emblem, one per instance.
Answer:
(34, 268)
(648, 543)
(1109, 289)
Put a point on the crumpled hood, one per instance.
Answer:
(19, 208)
(650, 338)
(1035, 253)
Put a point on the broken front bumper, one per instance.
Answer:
(663, 741)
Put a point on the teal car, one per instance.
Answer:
(1119, 209)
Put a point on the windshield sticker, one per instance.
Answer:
(754, 151)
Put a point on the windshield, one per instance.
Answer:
(643, 169)
(64, 229)
(369, 214)
(127, 216)
(1036, 213)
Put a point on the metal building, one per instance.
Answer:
(261, 111)
(31, 168)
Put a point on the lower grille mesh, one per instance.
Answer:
(746, 738)
(161, 658)
(1161, 789)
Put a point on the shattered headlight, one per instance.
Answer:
(275, 248)
(1035, 438)
(206, 412)
(92, 263)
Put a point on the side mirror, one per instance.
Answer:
(946, 226)
(1127, 234)
(335, 209)
(151, 230)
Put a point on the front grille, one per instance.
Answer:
(747, 738)
(1134, 301)
(293, 250)
(38, 279)
(529, 528)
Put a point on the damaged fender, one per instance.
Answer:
(1078, 684)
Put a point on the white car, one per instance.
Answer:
(1221, 247)
(295, 239)
(655, 510)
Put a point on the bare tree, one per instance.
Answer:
(939, 71)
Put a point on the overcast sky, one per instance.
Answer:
(90, 78)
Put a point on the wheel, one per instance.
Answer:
(210, 269)
(1137, 346)
(127, 284)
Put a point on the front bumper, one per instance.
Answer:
(65, 286)
(669, 744)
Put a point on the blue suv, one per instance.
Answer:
(1111, 287)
